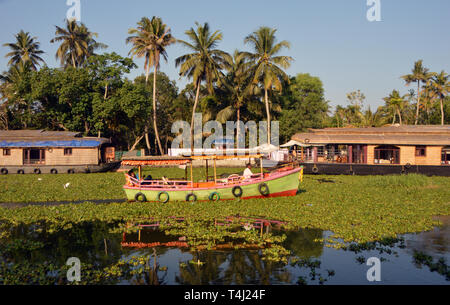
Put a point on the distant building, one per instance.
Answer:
(39, 151)
(405, 146)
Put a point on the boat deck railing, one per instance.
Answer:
(231, 180)
(179, 184)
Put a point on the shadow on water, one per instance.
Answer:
(152, 257)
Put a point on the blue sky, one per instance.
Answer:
(331, 39)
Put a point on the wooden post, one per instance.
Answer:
(139, 172)
(350, 154)
(215, 171)
(316, 154)
(206, 170)
(261, 164)
(139, 235)
(302, 154)
(192, 175)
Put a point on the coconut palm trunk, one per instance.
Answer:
(418, 103)
(197, 94)
(147, 140)
(155, 125)
(399, 116)
(266, 100)
(442, 112)
(237, 131)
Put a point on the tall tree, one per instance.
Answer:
(77, 44)
(304, 106)
(24, 50)
(419, 74)
(150, 40)
(267, 68)
(203, 64)
(397, 103)
(440, 86)
(236, 88)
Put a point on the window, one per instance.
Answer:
(33, 156)
(421, 151)
(6, 152)
(67, 151)
(387, 154)
(446, 155)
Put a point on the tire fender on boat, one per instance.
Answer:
(188, 197)
(315, 169)
(4, 171)
(237, 191)
(71, 171)
(264, 189)
(164, 200)
(37, 171)
(140, 197)
(53, 171)
(217, 196)
(20, 172)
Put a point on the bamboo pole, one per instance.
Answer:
(192, 175)
(261, 165)
(215, 171)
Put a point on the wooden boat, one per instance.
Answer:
(280, 182)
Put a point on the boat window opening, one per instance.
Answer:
(67, 151)
(33, 156)
(446, 155)
(421, 151)
(387, 154)
(320, 151)
(6, 152)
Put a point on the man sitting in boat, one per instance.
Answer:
(248, 172)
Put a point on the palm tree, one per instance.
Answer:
(267, 66)
(150, 40)
(77, 44)
(203, 64)
(24, 50)
(419, 74)
(236, 85)
(439, 88)
(428, 99)
(395, 102)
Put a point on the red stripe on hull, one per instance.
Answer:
(280, 194)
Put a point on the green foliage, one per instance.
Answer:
(304, 106)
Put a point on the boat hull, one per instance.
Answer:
(284, 184)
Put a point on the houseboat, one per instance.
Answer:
(392, 149)
(40, 151)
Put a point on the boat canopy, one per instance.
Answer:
(167, 160)
(155, 160)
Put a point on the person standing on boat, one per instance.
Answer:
(248, 171)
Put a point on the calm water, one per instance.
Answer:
(318, 264)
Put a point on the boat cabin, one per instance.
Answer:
(390, 145)
(38, 151)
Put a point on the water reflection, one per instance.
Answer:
(416, 258)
